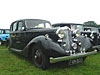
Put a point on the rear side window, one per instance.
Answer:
(21, 26)
(99, 30)
(14, 26)
(0, 31)
(7, 31)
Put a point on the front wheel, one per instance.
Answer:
(84, 58)
(39, 59)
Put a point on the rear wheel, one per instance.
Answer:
(0, 42)
(39, 59)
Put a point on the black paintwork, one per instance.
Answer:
(21, 41)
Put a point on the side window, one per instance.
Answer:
(0, 31)
(7, 31)
(21, 26)
(14, 26)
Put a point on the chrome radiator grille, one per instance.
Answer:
(67, 39)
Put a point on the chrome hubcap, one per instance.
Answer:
(37, 57)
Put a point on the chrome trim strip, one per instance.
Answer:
(74, 56)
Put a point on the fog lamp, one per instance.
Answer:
(84, 50)
(74, 45)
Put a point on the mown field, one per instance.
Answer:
(11, 64)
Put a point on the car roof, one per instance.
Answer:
(32, 19)
(59, 24)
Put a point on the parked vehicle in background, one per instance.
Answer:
(4, 34)
(38, 40)
(90, 24)
(93, 26)
(79, 28)
(92, 30)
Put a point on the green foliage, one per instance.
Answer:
(11, 64)
(91, 24)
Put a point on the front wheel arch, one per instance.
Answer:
(30, 50)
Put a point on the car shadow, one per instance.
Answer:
(62, 65)
(17, 55)
(52, 66)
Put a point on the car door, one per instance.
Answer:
(20, 35)
(13, 29)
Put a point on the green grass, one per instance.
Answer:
(11, 64)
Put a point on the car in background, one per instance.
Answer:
(79, 28)
(4, 34)
(92, 30)
(44, 44)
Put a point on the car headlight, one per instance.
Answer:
(60, 33)
(77, 32)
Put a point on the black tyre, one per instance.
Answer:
(39, 59)
(0, 42)
(9, 43)
(84, 58)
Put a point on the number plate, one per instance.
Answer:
(75, 61)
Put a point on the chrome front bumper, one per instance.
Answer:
(73, 56)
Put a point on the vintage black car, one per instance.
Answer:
(93, 30)
(80, 29)
(38, 40)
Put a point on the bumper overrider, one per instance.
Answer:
(73, 56)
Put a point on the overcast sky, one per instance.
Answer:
(56, 11)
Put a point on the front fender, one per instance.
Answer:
(40, 39)
(50, 47)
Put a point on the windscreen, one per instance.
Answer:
(37, 24)
(7, 31)
(74, 27)
(91, 29)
